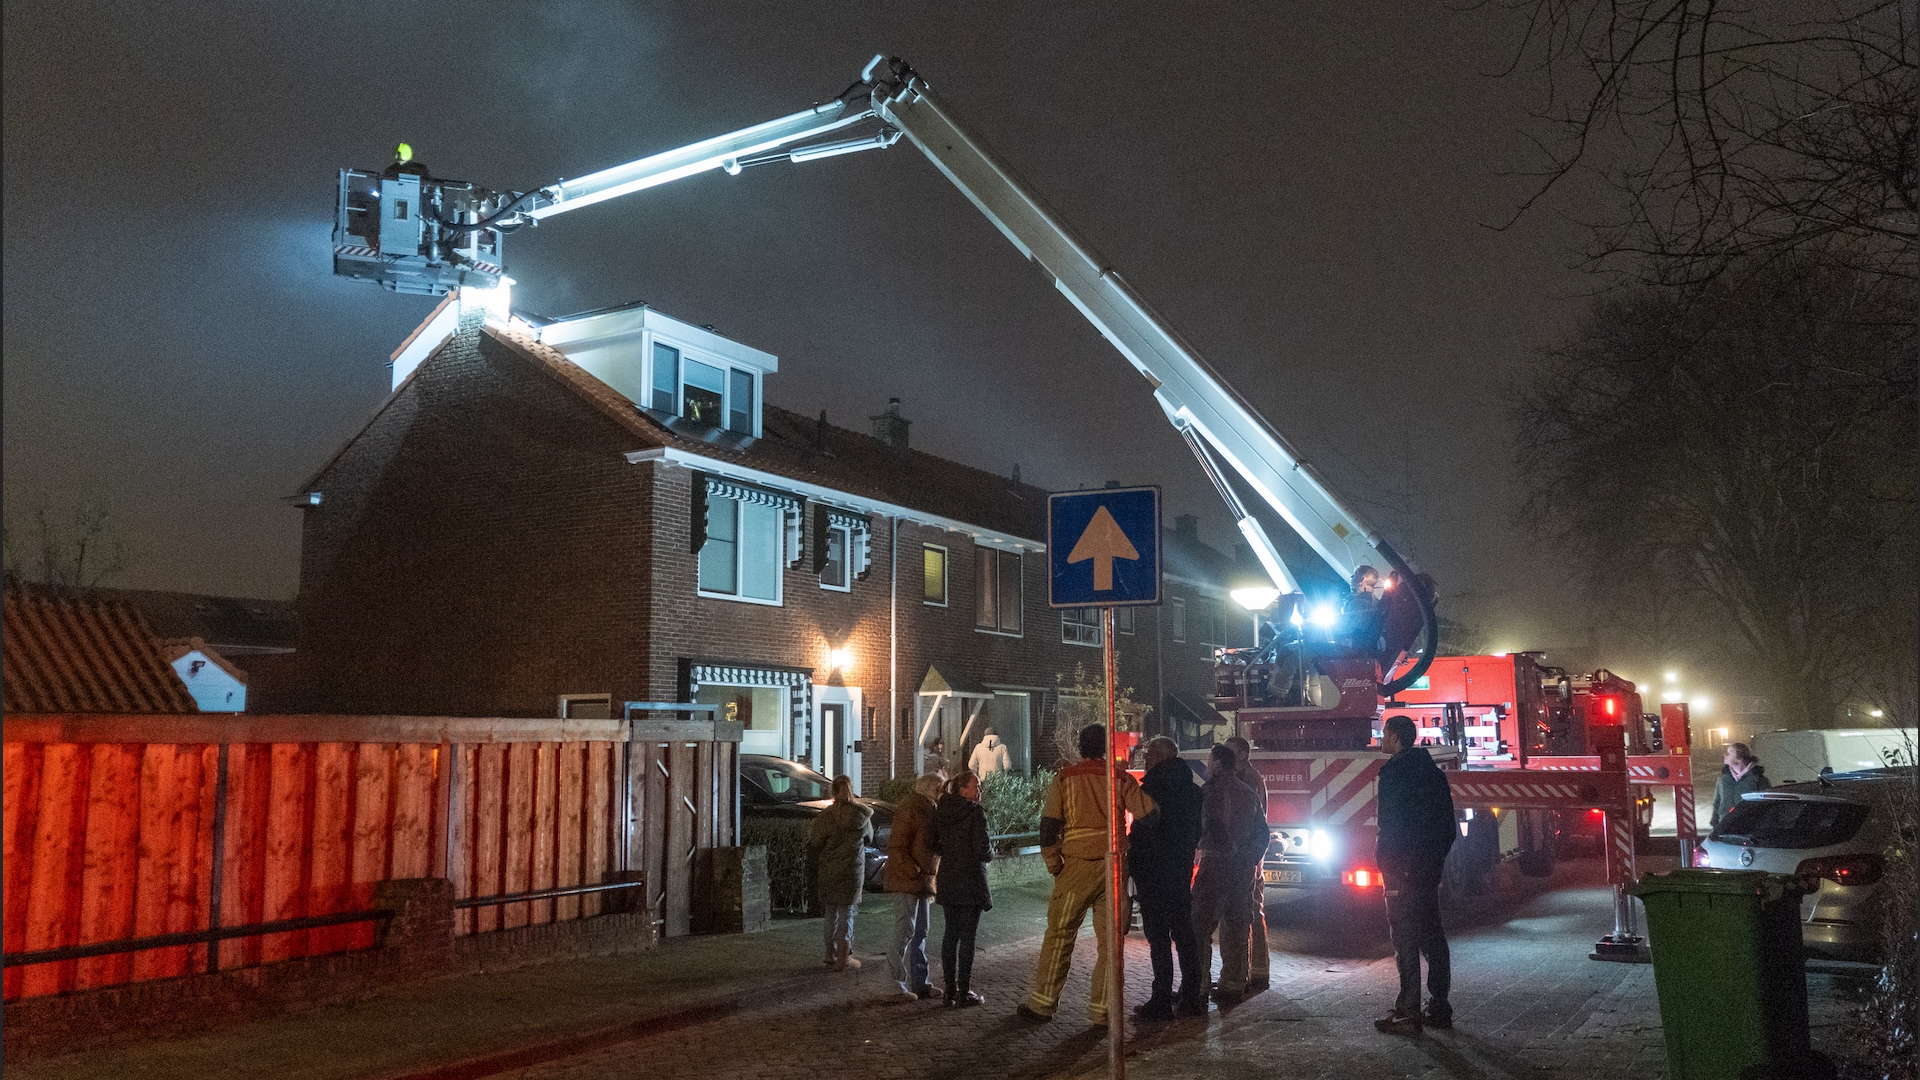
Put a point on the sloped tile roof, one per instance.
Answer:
(63, 654)
(801, 448)
(234, 625)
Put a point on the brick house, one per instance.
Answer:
(570, 514)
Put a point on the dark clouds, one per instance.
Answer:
(1302, 189)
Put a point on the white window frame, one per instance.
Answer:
(1177, 609)
(727, 371)
(946, 575)
(846, 559)
(739, 553)
(567, 700)
(997, 552)
(1074, 631)
(1123, 621)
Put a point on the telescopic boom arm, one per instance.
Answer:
(1217, 424)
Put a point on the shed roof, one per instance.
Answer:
(66, 654)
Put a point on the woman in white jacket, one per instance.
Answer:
(991, 756)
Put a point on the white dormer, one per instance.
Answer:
(663, 364)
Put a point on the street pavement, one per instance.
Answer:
(1528, 1003)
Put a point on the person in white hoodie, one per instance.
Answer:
(991, 756)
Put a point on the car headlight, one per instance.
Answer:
(1321, 844)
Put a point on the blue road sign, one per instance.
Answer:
(1103, 547)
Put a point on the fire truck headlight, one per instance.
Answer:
(1321, 845)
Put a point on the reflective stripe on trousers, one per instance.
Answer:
(1079, 887)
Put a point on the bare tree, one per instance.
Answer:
(73, 551)
(1740, 452)
(1732, 132)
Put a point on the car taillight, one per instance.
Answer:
(1700, 856)
(1362, 878)
(1864, 869)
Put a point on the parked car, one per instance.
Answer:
(772, 787)
(1834, 832)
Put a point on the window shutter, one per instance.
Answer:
(699, 512)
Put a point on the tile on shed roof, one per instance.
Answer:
(65, 654)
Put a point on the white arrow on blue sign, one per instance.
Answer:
(1103, 547)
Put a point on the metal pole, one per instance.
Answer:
(1116, 892)
(219, 871)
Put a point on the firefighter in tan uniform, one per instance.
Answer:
(1073, 841)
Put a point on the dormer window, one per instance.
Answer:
(702, 392)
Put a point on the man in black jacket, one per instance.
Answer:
(1416, 831)
(1160, 858)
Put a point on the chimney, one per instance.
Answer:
(890, 427)
(1187, 527)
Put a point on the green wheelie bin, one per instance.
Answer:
(1727, 963)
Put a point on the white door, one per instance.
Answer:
(836, 728)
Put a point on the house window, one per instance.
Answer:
(741, 558)
(703, 388)
(701, 392)
(1177, 613)
(996, 590)
(1206, 618)
(666, 378)
(1080, 626)
(1123, 620)
(934, 574)
(586, 706)
(833, 571)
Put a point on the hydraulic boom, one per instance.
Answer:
(446, 234)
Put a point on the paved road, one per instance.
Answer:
(1528, 1004)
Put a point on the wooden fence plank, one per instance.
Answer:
(460, 841)
(233, 899)
(201, 880)
(650, 822)
(440, 773)
(160, 812)
(598, 840)
(487, 829)
(570, 813)
(289, 824)
(371, 832)
(517, 860)
(111, 857)
(52, 917)
(182, 880)
(413, 789)
(680, 838)
(20, 770)
(333, 801)
(546, 792)
(253, 882)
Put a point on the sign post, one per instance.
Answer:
(1104, 552)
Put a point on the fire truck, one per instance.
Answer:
(1543, 763)
(405, 230)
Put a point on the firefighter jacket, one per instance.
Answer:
(1073, 814)
(1416, 817)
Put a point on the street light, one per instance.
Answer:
(1256, 599)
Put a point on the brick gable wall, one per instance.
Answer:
(483, 547)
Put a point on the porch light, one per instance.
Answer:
(840, 659)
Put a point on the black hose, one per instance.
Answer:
(1429, 618)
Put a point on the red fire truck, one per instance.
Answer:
(1507, 728)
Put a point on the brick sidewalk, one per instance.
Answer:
(1528, 1004)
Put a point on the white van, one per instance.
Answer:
(1794, 756)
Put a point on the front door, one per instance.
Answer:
(837, 725)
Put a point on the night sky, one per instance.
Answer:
(1303, 190)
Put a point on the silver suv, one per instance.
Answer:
(1834, 831)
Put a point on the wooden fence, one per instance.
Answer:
(126, 827)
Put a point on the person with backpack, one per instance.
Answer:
(1233, 836)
